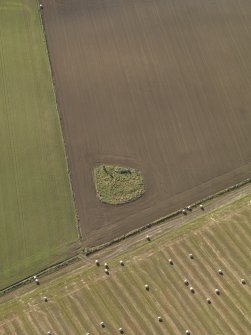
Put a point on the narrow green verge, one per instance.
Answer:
(37, 217)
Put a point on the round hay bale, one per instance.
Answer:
(170, 261)
(217, 291)
(160, 319)
(220, 272)
(121, 331)
(121, 263)
(106, 265)
(191, 256)
(37, 281)
(187, 332)
(209, 301)
(186, 282)
(41, 6)
(148, 238)
(45, 299)
(189, 208)
(184, 211)
(97, 262)
(49, 333)
(102, 324)
(147, 287)
(107, 271)
(243, 281)
(201, 207)
(192, 289)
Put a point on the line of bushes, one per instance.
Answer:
(42, 273)
(89, 251)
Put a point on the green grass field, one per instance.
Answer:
(37, 218)
(79, 301)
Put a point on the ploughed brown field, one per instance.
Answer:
(163, 86)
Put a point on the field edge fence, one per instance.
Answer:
(89, 251)
(42, 273)
(92, 250)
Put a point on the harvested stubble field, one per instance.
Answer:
(159, 85)
(37, 220)
(79, 301)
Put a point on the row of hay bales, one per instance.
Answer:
(146, 286)
(186, 282)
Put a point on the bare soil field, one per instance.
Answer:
(161, 86)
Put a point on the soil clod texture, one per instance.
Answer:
(161, 86)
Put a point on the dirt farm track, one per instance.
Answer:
(159, 85)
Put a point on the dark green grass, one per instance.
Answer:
(37, 219)
(117, 185)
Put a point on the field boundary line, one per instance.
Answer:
(55, 267)
(78, 227)
(90, 251)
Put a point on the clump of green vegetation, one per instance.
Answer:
(117, 185)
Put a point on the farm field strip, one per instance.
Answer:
(78, 303)
(37, 216)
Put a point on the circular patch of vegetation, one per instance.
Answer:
(117, 185)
